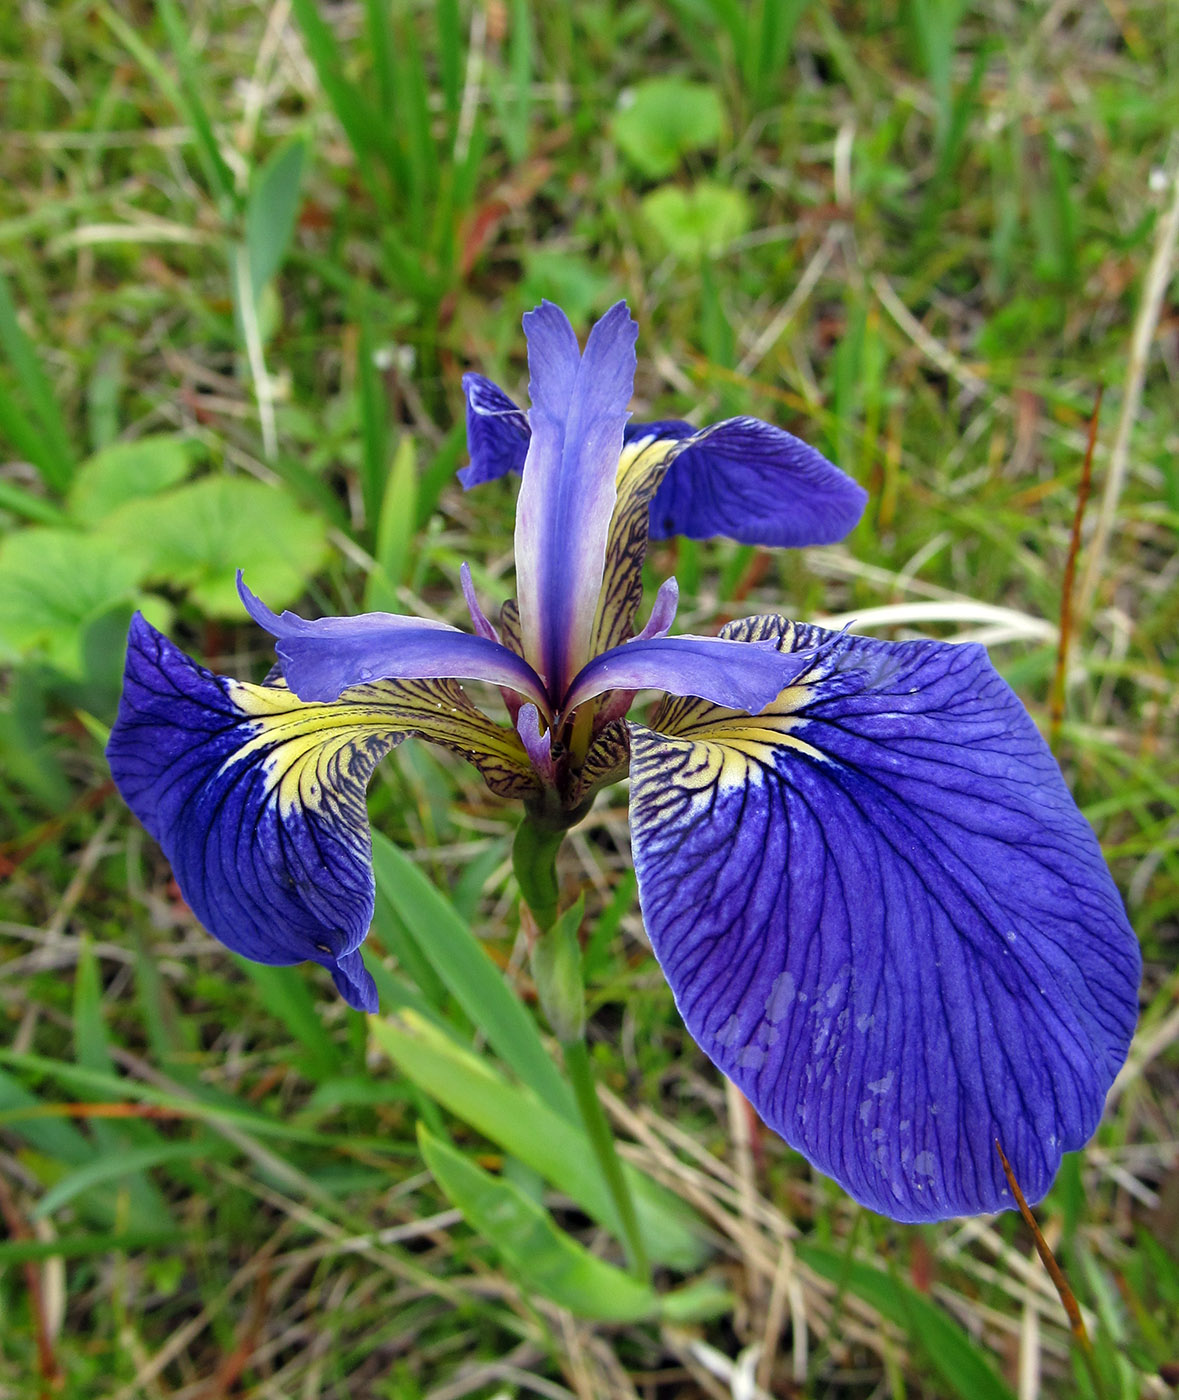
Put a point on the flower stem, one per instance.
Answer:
(534, 858)
(581, 1075)
(556, 962)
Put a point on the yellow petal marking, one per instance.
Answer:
(311, 748)
(640, 470)
(713, 747)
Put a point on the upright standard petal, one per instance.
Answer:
(883, 916)
(578, 411)
(750, 482)
(497, 432)
(326, 656)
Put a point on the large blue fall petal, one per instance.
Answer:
(883, 916)
(259, 804)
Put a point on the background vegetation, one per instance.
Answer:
(248, 249)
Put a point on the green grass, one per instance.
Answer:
(212, 1179)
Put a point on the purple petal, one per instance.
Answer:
(737, 674)
(325, 657)
(537, 741)
(479, 619)
(743, 479)
(497, 432)
(563, 514)
(267, 833)
(883, 916)
(663, 611)
(751, 482)
(355, 982)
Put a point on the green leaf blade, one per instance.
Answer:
(271, 212)
(43, 437)
(964, 1368)
(515, 1119)
(475, 982)
(524, 1234)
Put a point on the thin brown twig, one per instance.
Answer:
(1067, 1297)
(1056, 710)
(249, 1335)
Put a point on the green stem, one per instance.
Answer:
(534, 858)
(556, 963)
(581, 1076)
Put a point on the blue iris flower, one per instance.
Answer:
(878, 907)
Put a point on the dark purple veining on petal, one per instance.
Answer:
(890, 924)
(277, 881)
(750, 481)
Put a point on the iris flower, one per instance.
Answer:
(879, 909)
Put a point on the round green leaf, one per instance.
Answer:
(125, 471)
(663, 119)
(53, 583)
(693, 223)
(198, 536)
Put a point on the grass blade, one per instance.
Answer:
(543, 1256)
(963, 1367)
(46, 442)
(382, 47)
(450, 59)
(120, 1164)
(86, 1246)
(113, 1142)
(395, 531)
(419, 169)
(283, 991)
(21, 502)
(770, 50)
(361, 124)
(185, 97)
(440, 473)
(374, 424)
(473, 979)
(518, 109)
(271, 211)
(473, 1090)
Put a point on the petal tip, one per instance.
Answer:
(355, 983)
(257, 609)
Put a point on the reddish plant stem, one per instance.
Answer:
(1056, 706)
(1067, 1297)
